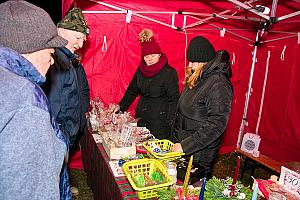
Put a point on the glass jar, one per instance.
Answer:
(172, 171)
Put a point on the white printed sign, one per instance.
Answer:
(290, 180)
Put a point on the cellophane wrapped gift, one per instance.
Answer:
(117, 129)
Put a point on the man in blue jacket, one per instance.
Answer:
(32, 148)
(67, 87)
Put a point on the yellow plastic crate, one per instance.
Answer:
(164, 145)
(147, 166)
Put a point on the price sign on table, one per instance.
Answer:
(290, 180)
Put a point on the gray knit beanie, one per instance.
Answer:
(200, 50)
(27, 28)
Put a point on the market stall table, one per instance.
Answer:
(262, 160)
(100, 177)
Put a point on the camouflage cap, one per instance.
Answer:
(74, 21)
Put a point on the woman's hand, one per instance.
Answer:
(177, 147)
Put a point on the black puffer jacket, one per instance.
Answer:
(158, 99)
(203, 111)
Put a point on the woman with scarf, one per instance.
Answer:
(157, 84)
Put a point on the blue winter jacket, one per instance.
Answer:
(32, 148)
(68, 93)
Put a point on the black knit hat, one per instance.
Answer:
(200, 50)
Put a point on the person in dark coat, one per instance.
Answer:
(157, 84)
(67, 86)
(205, 103)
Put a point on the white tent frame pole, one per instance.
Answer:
(239, 18)
(133, 13)
(214, 15)
(136, 13)
(103, 12)
(148, 18)
(200, 14)
(244, 120)
(229, 29)
(288, 15)
(156, 12)
(249, 9)
(273, 12)
(108, 5)
(172, 13)
(189, 26)
(281, 38)
(201, 21)
(220, 28)
(123, 11)
(154, 20)
(274, 8)
(285, 32)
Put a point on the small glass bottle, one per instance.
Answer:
(172, 171)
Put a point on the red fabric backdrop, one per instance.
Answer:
(110, 72)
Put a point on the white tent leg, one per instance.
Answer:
(263, 93)
(244, 120)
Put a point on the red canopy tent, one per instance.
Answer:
(263, 49)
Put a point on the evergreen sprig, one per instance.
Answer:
(214, 189)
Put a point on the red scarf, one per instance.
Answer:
(152, 70)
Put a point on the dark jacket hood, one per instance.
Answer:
(220, 64)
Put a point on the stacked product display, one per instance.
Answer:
(119, 132)
(149, 164)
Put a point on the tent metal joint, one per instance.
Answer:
(257, 43)
(273, 20)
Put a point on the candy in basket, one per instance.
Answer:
(161, 149)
